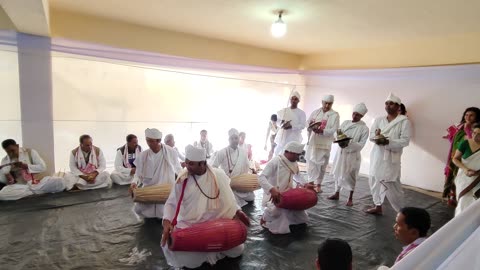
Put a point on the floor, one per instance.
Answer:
(97, 230)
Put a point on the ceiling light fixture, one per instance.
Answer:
(279, 28)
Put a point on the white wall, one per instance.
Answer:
(435, 98)
(10, 118)
(109, 100)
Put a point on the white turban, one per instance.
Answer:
(295, 94)
(328, 98)
(153, 133)
(232, 132)
(294, 147)
(193, 153)
(360, 108)
(394, 99)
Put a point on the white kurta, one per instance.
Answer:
(234, 162)
(208, 146)
(346, 164)
(121, 175)
(385, 160)
(277, 174)
(297, 119)
(101, 181)
(462, 181)
(23, 188)
(196, 208)
(319, 145)
(180, 156)
(155, 169)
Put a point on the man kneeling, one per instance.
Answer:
(19, 173)
(87, 167)
(205, 196)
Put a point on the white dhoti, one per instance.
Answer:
(462, 181)
(278, 220)
(15, 192)
(196, 259)
(101, 181)
(243, 198)
(317, 162)
(392, 190)
(49, 184)
(121, 178)
(150, 210)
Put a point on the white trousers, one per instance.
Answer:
(196, 259)
(48, 184)
(243, 197)
(392, 190)
(121, 178)
(103, 180)
(278, 220)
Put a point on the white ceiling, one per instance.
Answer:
(314, 26)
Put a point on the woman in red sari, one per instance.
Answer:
(456, 135)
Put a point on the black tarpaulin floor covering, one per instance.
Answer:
(97, 230)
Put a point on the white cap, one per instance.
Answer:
(393, 98)
(232, 132)
(328, 98)
(294, 147)
(153, 133)
(360, 108)
(295, 94)
(193, 153)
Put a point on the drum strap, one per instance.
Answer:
(174, 221)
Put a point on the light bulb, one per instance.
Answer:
(279, 28)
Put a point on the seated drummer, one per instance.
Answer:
(155, 166)
(206, 196)
(233, 161)
(279, 176)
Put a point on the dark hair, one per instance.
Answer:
(130, 137)
(84, 137)
(417, 218)
(273, 117)
(476, 125)
(334, 254)
(471, 109)
(202, 131)
(8, 142)
(403, 109)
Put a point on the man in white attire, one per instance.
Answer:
(154, 166)
(323, 123)
(280, 175)
(292, 122)
(19, 173)
(87, 167)
(386, 155)
(233, 161)
(124, 161)
(348, 158)
(206, 196)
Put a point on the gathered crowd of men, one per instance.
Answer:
(201, 177)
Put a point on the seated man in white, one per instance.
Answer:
(279, 176)
(204, 194)
(156, 165)
(124, 161)
(87, 167)
(19, 169)
(233, 161)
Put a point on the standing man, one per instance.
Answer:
(348, 158)
(292, 122)
(154, 166)
(87, 166)
(390, 135)
(279, 176)
(234, 162)
(170, 141)
(271, 133)
(204, 143)
(322, 124)
(19, 172)
(124, 161)
(206, 195)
